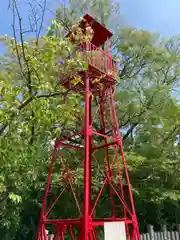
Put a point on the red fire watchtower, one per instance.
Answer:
(94, 216)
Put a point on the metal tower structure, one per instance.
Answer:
(103, 163)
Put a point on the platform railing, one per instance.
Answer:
(100, 59)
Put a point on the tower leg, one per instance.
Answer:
(87, 167)
(135, 232)
(41, 228)
(108, 167)
(91, 220)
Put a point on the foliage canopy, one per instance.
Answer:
(34, 109)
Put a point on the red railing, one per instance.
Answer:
(100, 59)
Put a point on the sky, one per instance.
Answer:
(161, 16)
(154, 15)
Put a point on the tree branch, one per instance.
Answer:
(16, 44)
(143, 110)
(30, 99)
(130, 130)
(42, 19)
(173, 132)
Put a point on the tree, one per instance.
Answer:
(35, 109)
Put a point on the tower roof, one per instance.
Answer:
(101, 33)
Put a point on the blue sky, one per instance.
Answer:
(154, 15)
(161, 16)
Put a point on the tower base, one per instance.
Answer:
(76, 202)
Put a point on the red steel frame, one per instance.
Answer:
(86, 221)
(114, 171)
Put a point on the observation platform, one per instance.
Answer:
(102, 68)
